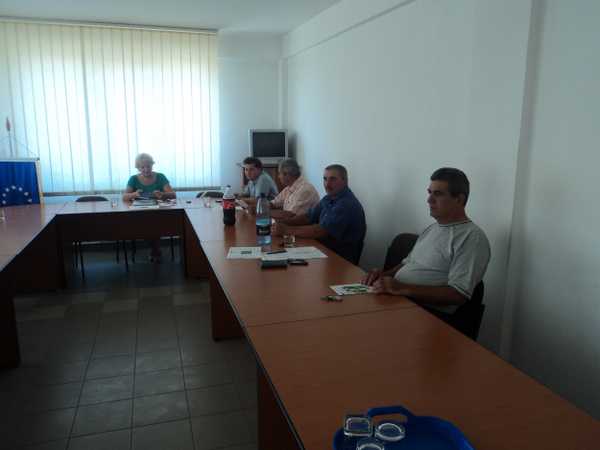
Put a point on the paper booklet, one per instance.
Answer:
(351, 289)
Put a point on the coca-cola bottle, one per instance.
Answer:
(228, 207)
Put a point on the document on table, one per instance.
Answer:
(244, 253)
(144, 207)
(295, 253)
(351, 289)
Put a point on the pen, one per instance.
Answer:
(274, 252)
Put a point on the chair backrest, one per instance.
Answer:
(467, 317)
(210, 194)
(92, 198)
(399, 249)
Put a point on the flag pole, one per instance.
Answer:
(10, 146)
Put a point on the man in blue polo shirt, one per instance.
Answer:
(338, 220)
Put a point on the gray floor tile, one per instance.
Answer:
(252, 420)
(247, 393)
(41, 313)
(113, 440)
(164, 436)
(215, 431)
(114, 346)
(87, 297)
(166, 359)
(122, 293)
(68, 351)
(116, 321)
(102, 417)
(155, 291)
(206, 375)
(154, 343)
(243, 370)
(242, 447)
(120, 305)
(204, 352)
(191, 286)
(190, 298)
(59, 373)
(212, 400)
(110, 367)
(47, 426)
(107, 390)
(50, 397)
(160, 408)
(150, 383)
(54, 445)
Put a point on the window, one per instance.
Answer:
(87, 99)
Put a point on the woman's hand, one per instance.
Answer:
(157, 195)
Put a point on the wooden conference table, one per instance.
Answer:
(317, 360)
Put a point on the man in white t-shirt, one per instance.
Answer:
(449, 258)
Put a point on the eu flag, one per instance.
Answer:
(18, 183)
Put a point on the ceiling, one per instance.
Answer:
(262, 16)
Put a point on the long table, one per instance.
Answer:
(316, 360)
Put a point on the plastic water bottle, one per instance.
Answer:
(263, 222)
(228, 207)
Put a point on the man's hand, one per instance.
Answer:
(372, 276)
(387, 285)
(278, 229)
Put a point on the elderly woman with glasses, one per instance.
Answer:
(147, 184)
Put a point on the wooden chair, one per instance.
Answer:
(467, 317)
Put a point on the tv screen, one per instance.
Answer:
(268, 144)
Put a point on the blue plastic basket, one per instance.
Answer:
(422, 433)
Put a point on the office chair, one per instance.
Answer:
(77, 244)
(467, 317)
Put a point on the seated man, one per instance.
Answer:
(259, 182)
(449, 258)
(338, 220)
(297, 197)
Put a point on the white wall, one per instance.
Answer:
(249, 78)
(556, 248)
(403, 88)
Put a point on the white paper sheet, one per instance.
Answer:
(306, 253)
(244, 253)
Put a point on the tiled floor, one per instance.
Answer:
(125, 361)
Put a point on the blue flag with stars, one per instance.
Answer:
(18, 183)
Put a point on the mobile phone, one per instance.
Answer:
(297, 262)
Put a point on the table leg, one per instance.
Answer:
(223, 320)
(9, 338)
(274, 431)
(196, 264)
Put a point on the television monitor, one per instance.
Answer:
(270, 146)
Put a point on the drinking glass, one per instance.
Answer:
(289, 240)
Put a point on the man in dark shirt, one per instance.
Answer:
(338, 220)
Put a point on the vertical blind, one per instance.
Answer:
(88, 99)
